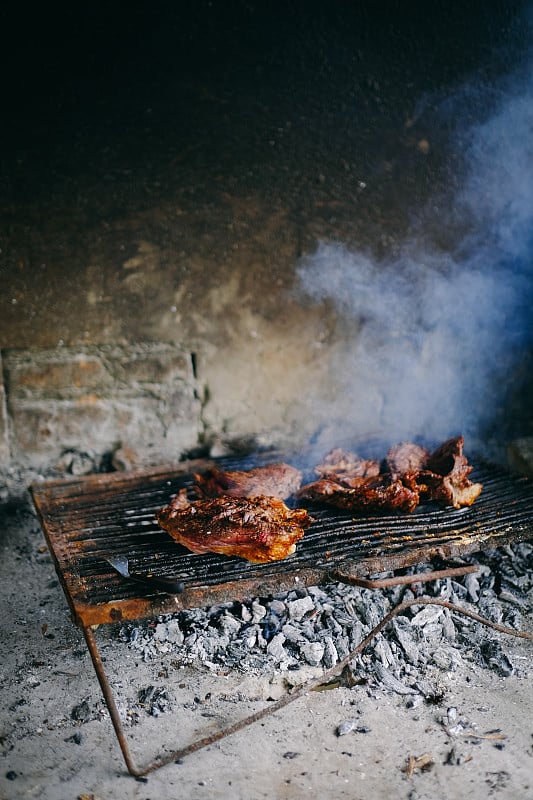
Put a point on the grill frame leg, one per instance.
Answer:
(111, 704)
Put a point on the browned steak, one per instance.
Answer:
(406, 458)
(410, 475)
(373, 494)
(446, 475)
(259, 529)
(346, 467)
(276, 480)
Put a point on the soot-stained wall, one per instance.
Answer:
(323, 209)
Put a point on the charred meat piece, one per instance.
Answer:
(275, 480)
(406, 458)
(410, 475)
(259, 529)
(373, 494)
(346, 468)
(446, 475)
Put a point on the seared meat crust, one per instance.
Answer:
(275, 480)
(259, 529)
(372, 495)
(411, 475)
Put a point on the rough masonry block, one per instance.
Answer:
(100, 398)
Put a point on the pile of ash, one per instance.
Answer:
(318, 626)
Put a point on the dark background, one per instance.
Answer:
(82, 76)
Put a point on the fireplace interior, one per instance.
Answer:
(230, 231)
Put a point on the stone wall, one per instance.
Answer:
(141, 399)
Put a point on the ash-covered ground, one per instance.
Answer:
(435, 704)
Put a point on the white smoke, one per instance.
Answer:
(440, 333)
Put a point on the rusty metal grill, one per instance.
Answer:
(88, 519)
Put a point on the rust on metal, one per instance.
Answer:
(87, 520)
(402, 580)
(300, 691)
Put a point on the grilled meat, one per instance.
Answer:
(275, 480)
(347, 468)
(259, 529)
(406, 459)
(446, 475)
(372, 494)
(411, 475)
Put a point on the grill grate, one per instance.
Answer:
(86, 520)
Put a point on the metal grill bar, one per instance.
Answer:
(87, 520)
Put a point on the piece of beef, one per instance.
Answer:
(410, 475)
(446, 475)
(346, 467)
(406, 458)
(259, 529)
(275, 480)
(373, 494)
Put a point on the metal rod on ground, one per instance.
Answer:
(328, 675)
(399, 580)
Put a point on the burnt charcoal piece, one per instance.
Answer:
(275, 480)
(259, 529)
(446, 476)
(406, 458)
(375, 494)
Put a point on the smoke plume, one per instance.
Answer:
(443, 338)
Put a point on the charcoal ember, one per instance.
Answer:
(258, 611)
(491, 609)
(331, 655)
(312, 652)
(496, 658)
(270, 625)
(448, 627)
(406, 636)
(299, 608)
(343, 646)
(82, 712)
(161, 632)
(337, 617)
(428, 614)
(472, 587)
(511, 593)
(293, 634)
(278, 607)
(229, 624)
(174, 632)
(433, 633)
(275, 648)
(446, 658)
(390, 682)
(383, 651)
(155, 700)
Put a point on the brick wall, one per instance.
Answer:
(98, 398)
